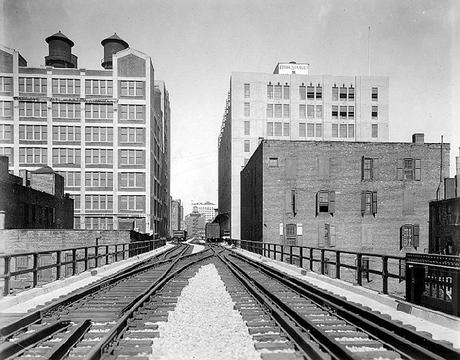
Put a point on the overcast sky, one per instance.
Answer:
(195, 45)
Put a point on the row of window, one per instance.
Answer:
(407, 168)
(105, 202)
(103, 179)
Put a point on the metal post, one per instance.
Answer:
(282, 253)
(290, 254)
(322, 261)
(58, 265)
(107, 254)
(74, 261)
(35, 270)
(301, 257)
(359, 269)
(311, 259)
(96, 254)
(6, 272)
(86, 258)
(385, 274)
(337, 265)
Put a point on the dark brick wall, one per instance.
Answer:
(131, 65)
(308, 167)
(445, 226)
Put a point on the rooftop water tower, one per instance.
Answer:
(112, 45)
(60, 51)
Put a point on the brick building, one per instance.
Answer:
(177, 215)
(292, 104)
(195, 223)
(207, 209)
(106, 131)
(359, 196)
(34, 201)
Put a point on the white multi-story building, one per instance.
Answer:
(106, 131)
(208, 209)
(291, 104)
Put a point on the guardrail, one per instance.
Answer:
(34, 268)
(332, 262)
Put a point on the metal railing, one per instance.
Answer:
(26, 270)
(332, 262)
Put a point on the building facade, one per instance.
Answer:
(177, 215)
(36, 200)
(207, 209)
(105, 131)
(290, 104)
(195, 223)
(358, 196)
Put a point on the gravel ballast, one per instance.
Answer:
(204, 324)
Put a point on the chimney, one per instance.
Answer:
(418, 138)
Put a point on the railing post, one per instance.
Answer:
(322, 261)
(96, 255)
(311, 259)
(290, 254)
(264, 252)
(86, 258)
(74, 261)
(282, 253)
(6, 272)
(301, 257)
(58, 265)
(359, 269)
(107, 254)
(35, 270)
(123, 252)
(385, 274)
(337, 265)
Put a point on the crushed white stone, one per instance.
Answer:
(204, 324)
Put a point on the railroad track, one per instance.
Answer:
(324, 326)
(72, 326)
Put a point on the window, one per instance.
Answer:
(99, 156)
(291, 230)
(335, 93)
(132, 180)
(66, 86)
(325, 202)
(6, 133)
(277, 92)
(5, 108)
(326, 235)
(286, 129)
(247, 128)
(99, 202)
(286, 92)
(247, 109)
(310, 92)
(273, 162)
(302, 111)
(65, 156)
(293, 206)
(66, 133)
(319, 130)
(351, 93)
(367, 168)
(32, 109)
(335, 130)
(343, 112)
(132, 112)
(6, 84)
(286, 111)
(343, 130)
(246, 146)
(310, 130)
(247, 90)
(269, 129)
(8, 152)
(66, 110)
(375, 131)
(351, 130)
(269, 110)
(375, 94)
(335, 112)
(99, 111)
(132, 202)
(132, 88)
(32, 132)
(351, 112)
(71, 178)
(32, 155)
(375, 112)
(99, 179)
(302, 130)
(132, 135)
(270, 91)
(409, 236)
(31, 85)
(368, 202)
(278, 110)
(310, 111)
(319, 92)
(278, 129)
(343, 93)
(99, 134)
(302, 92)
(409, 169)
(132, 157)
(319, 111)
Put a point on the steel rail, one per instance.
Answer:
(65, 346)
(37, 315)
(404, 340)
(99, 350)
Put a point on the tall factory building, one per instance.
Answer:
(177, 215)
(106, 131)
(291, 104)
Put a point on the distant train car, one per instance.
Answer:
(212, 231)
(179, 235)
